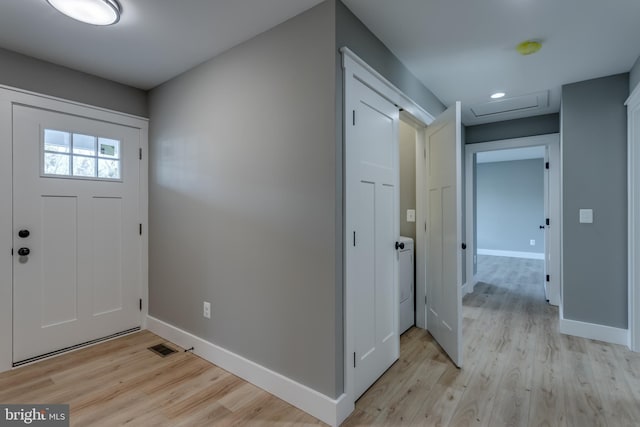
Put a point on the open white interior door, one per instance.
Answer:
(552, 232)
(444, 231)
(545, 227)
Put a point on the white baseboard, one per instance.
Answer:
(594, 331)
(512, 254)
(326, 409)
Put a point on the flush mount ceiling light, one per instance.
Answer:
(528, 47)
(498, 95)
(94, 12)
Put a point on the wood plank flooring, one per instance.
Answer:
(121, 383)
(518, 371)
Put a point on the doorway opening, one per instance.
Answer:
(510, 220)
(408, 134)
(513, 217)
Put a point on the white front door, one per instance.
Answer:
(372, 206)
(76, 245)
(444, 232)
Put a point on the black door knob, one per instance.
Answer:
(464, 246)
(23, 233)
(542, 227)
(399, 245)
(24, 251)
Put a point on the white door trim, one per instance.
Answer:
(633, 217)
(421, 229)
(355, 69)
(555, 232)
(8, 97)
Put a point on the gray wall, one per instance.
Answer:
(352, 33)
(243, 201)
(517, 128)
(407, 178)
(32, 74)
(634, 75)
(594, 146)
(510, 205)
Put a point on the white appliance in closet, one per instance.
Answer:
(406, 284)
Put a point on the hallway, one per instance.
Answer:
(518, 370)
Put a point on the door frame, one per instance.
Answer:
(8, 97)
(633, 216)
(552, 142)
(355, 69)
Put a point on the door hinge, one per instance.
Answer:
(425, 153)
(548, 222)
(140, 153)
(354, 359)
(140, 230)
(548, 278)
(11, 251)
(546, 165)
(354, 239)
(140, 304)
(354, 117)
(425, 300)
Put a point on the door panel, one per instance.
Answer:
(58, 254)
(107, 224)
(81, 279)
(372, 207)
(386, 264)
(444, 232)
(363, 259)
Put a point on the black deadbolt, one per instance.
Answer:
(23, 233)
(24, 251)
(464, 246)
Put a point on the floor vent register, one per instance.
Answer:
(162, 350)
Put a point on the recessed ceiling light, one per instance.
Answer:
(497, 95)
(94, 12)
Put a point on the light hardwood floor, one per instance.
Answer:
(518, 371)
(121, 383)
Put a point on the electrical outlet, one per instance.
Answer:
(206, 310)
(532, 242)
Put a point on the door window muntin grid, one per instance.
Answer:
(77, 155)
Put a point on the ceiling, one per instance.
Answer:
(462, 50)
(154, 41)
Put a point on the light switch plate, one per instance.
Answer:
(411, 215)
(586, 216)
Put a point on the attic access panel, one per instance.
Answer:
(530, 102)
